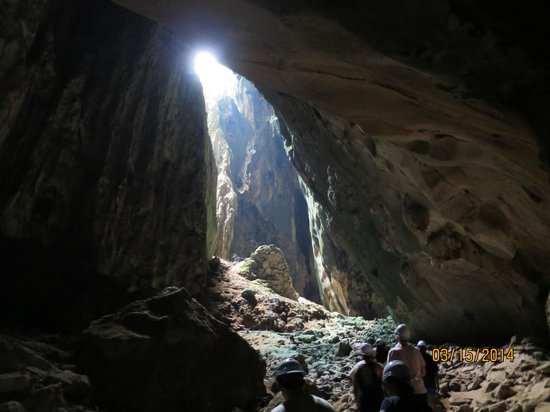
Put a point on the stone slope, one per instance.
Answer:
(38, 374)
(279, 327)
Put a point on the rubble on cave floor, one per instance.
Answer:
(326, 343)
(41, 373)
(278, 327)
(38, 374)
(521, 385)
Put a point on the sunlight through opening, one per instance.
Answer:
(217, 80)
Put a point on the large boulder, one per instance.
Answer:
(168, 353)
(268, 264)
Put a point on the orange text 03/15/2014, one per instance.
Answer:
(469, 355)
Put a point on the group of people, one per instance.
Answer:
(405, 383)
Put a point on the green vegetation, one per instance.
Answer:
(245, 268)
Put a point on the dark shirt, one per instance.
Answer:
(431, 371)
(408, 403)
(367, 385)
(382, 353)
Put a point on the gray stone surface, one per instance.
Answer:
(12, 383)
(12, 406)
(39, 374)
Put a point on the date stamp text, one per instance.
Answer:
(473, 355)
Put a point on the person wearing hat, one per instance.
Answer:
(290, 377)
(400, 397)
(366, 377)
(411, 356)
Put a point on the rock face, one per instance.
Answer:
(268, 263)
(168, 353)
(430, 256)
(259, 197)
(342, 282)
(37, 375)
(425, 162)
(105, 163)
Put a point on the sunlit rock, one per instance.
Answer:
(268, 264)
(259, 200)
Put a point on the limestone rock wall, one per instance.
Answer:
(259, 198)
(105, 163)
(431, 244)
(344, 288)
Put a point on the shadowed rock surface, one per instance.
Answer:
(37, 374)
(108, 178)
(168, 353)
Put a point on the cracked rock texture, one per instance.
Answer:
(268, 264)
(106, 167)
(419, 128)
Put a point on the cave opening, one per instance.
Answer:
(258, 197)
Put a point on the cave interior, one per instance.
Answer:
(388, 161)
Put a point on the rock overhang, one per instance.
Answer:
(411, 142)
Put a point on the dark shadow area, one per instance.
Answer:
(51, 290)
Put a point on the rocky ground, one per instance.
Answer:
(150, 343)
(279, 327)
(519, 386)
(326, 343)
(37, 374)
